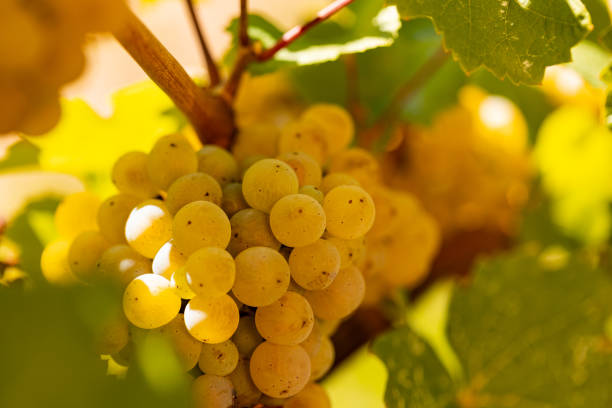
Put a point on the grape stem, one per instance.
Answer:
(297, 31)
(210, 115)
(243, 34)
(211, 67)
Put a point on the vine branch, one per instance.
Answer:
(243, 33)
(211, 67)
(210, 115)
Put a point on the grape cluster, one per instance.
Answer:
(245, 266)
(41, 45)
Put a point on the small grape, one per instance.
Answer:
(84, 253)
(251, 227)
(219, 359)
(287, 321)
(233, 200)
(336, 123)
(112, 216)
(122, 264)
(352, 251)
(247, 162)
(148, 227)
(186, 347)
(212, 320)
(211, 391)
(246, 337)
(341, 298)
(312, 343)
(112, 336)
(256, 139)
(192, 187)
(180, 283)
(334, 180)
(358, 163)
(315, 266)
(262, 276)
(297, 220)
(54, 263)
(312, 396)
(323, 359)
(168, 260)
(200, 224)
(306, 168)
(149, 301)
(210, 272)
(247, 394)
(313, 192)
(218, 163)
(350, 212)
(328, 327)
(304, 137)
(279, 371)
(130, 175)
(77, 213)
(171, 157)
(267, 181)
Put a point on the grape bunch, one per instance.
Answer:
(41, 45)
(246, 266)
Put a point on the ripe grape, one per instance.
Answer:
(210, 272)
(267, 181)
(112, 216)
(211, 391)
(77, 213)
(149, 301)
(130, 175)
(313, 192)
(251, 227)
(247, 394)
(279, 371)
(315, 266)
(171, 157)
(200, 224)
(233, 200)
(312, 396)
(323, 359)
(262, 276)
(54, 263)
(339, 299)
(350, 212)
(212, 320)
(352, 251)
(192, 187)
(287, 321)
(334, 180)
(306, 168)
(312, 343)
(148, 227)
(112, 336)
(180, 283)
(246, 337)
(297, 220)
(336, 124)
(219, 359)
(122, 264)
(358, 163)
(84, 253)
(328, 327)
(219, 163)
(256, 139)
(168, 260)
(304, 137)
(186, 347)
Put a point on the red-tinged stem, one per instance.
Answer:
(243, 34)
(213, 72)
(296, 32)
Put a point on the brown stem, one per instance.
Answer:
(245, 57)
(210, 115)
(213, 72)
(297, 31)
(243, 33)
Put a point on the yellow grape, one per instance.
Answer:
(77, 213)
(328, 327)
(251, 227)
(233, 200)
(200, 224)
(341, 298)
(84, 253)
(180, 283)
(211, 391)
(112, 336)
(304, 137)
(323, 359)
(54, 263)
(268, 401)
(130, 175)
(312, 343)
(334, 180)
(212, 320)
(313, 192)
(168, 260)
(297, 220)
(246, 337)
(262, 276)
(256, 139)
(247, 394)
(149, 301)
(148, 227)
(186, 347)
(312, 396)
(336, 123)
(350, 212)
(305, 167)
(287, 321)
(219, 359)
(218, 163)
(315, 266)
(193, 187)
(279, 371)
(247, 162)
(171, 157)
(267, 181)
(112, 216)
(121, 263)
(210, 272)
(358, 163)
(352, 251)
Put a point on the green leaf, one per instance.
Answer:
(86, 145)
(517, 39)
(359, 27)
(20, 154)
(528, 331)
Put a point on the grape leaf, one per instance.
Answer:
(19, 154)
(528, 331)
(517, 39)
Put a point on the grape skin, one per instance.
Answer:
(187, 348)
(219, 163)
(312, 396)
(315, 266)
(192, 187)
(334, 180)
(77, 213)
(122, 264)
(251, 227)
(112, 216)
(168, 260)
(306, 168)
(247, 338)
(247, 393)
(181, 285)
(200, 224)
(313, 192)
(84, 253)
(210, 272)
(130, 175)
(339, 299)
(323, 359)
(287, 321)
(171, 157)
(212, 320)
(219, 359)
(350, 212)
(211, 391)
(337, 125)
(297, 220)
(148, 227)
(149, 301)
(233, 200)
(267, 181)
(54, 263)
